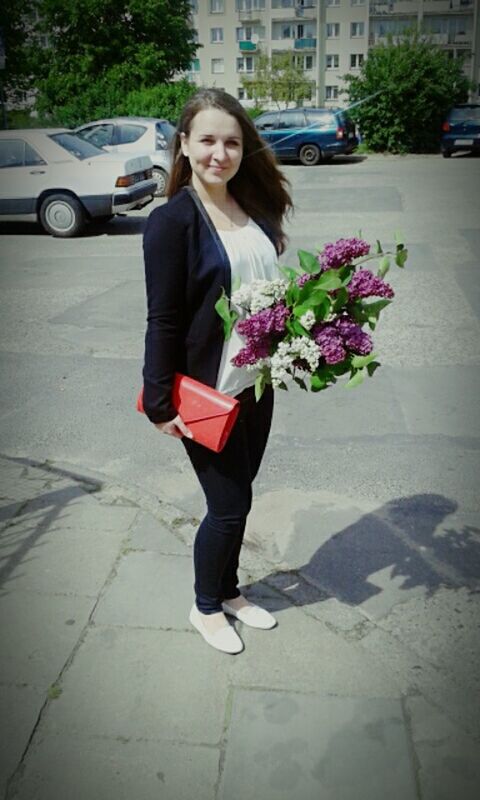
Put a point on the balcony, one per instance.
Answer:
(307, 9)
(250, 15)
(246, 46)
(389, 7)
(448, 6)
(305, 44)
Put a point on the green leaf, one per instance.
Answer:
(379, 247)
(401, 257)
(356, 379)
(317, 382)
(260, 384)
(362, 361)
(222, 307)
(384, 267)
(398, 239)
(308, 261)
(372, 310)
(372, 367)
(345, 274)
(300, 382)
(329, 280)
(340, 300)
(289, 273)
(236, 283)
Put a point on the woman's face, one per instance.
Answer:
(214, 146)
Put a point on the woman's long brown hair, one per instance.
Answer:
(259, 186)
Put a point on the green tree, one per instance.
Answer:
(405, 90)
(278, 79)
(95, 52)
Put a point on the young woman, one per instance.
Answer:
(223, 218)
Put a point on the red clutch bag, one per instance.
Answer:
(210, 415)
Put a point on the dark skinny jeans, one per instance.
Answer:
(226, 479)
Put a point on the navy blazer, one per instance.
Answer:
(186, 266)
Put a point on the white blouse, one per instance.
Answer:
(252, 257)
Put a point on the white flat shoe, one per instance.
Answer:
(252, 615)
(225, 639)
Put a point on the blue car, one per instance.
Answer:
(461, 130)
(308, 134)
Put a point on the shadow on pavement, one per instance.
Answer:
(400, 536)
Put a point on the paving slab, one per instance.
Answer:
(126, 682)
(311, 747)
(449, 760)
(149, 590)
(19, 710)
(60, 767)
(320, 661)
(439, 400)
(49, 553)
(39, 632)
(148, 533)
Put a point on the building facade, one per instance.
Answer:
(329, 38)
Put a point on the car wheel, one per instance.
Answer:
(62, 215)
(446, 153)
(310, 155)
(160, 176)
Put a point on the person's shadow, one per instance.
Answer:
(400, 536)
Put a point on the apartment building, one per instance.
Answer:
(328, 37)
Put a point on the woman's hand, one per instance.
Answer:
(174, 427)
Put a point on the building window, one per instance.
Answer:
(216, 35)
(195, 65)
(245, 64)
(216, 7)
(247, 32)
(194, 6)
(333, 61)
(333, 30)
(249, 5)
(356, 60)
(357, 29)
(331, 92)
(333, 2)
(357, 2)
(218, 66)
(284, 3)
(304, 62)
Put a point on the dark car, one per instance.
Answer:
(461, 130)
(309, 134)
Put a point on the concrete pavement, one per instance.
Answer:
(108, 692)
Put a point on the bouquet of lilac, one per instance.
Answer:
(308, 326)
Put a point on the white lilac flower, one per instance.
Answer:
(266, 294)
(307, 320)
(242, 296)
(300, 348)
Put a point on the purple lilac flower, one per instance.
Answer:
(354, 338)
(365, 284)
(258, 330)
(251, 353)
(330, 343)
(335, 338)
(303, 279)
(342, 252)
(265, 322)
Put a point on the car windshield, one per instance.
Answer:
(469, 114)
(76, 146)
(168, 130)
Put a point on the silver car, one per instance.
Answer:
(147, 135)
(58, 179)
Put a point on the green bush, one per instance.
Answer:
(405, 91)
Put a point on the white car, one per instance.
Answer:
(58, 179)
(147, 135)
